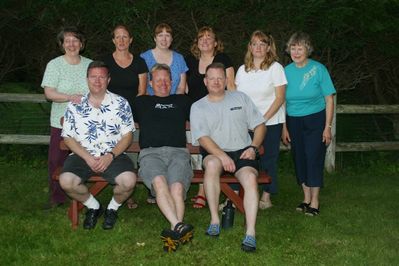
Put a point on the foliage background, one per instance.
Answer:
(356, 39)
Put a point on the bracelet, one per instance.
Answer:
(330, 126)
(113, 155)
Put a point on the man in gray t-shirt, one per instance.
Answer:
(219, 124)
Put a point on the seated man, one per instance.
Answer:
(164, 159)
(220, 122)
(98, 131)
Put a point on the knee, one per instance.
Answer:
(66, 181)
(177, 189)
(159, 183)
(127, 180)
(212, 164)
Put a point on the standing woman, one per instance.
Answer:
(262, 78)
(128, 72)
(205, 50)
(64, 81)
(310, 107)
(162, 54)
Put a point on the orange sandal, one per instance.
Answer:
(200, 202)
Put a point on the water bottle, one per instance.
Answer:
(228, 215)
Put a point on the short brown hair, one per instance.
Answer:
(75, 32)
(216, 65)
(161, 27)
(120, 26)
(97, 64)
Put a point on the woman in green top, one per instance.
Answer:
(64, 81)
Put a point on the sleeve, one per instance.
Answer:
(142, 66)
(189, 62)
(327, 86)
(239, 76)
(224, 59)
(126, 116)
(51, 76)
(278, 74)
(181, 63)
(136, 108)
(198, 125)
(69, 124)
(254, 117)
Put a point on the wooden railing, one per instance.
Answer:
(330, 156)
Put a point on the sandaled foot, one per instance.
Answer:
(213, 230)
(263, 205)
(184, 231)
(193, 199)
(312, 211)
(248, 244)
(302, 207)
(131, 204)
(151, 199)
(200, 202)
(170, 240)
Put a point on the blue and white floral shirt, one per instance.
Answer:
(98, 130)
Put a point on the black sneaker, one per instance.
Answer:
(110, 217)
(91, 217)
(170, 239)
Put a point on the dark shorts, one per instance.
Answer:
(76, 165)
(235, 156)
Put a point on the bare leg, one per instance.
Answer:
(177, 192)
(247, 177)
(314, 191)
(125, 183)
(73, 186)
(213, 169)
(306, 193)
(164, 200)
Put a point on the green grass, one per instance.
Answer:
(358, 224)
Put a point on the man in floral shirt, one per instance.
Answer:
(98, 131)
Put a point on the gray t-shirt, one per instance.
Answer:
(226, 122)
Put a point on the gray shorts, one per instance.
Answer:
(171, 162)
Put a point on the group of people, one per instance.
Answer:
(231, 116)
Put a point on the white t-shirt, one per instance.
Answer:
(260, 86)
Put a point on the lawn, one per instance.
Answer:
(358, 224)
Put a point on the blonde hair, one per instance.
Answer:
(201, 32)
(270, 57)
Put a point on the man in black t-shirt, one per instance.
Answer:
(164, 159)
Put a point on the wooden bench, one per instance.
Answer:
(98, 183)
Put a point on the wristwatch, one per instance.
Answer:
(255, 150)
(113, 155)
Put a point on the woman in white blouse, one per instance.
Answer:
(262, 78)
